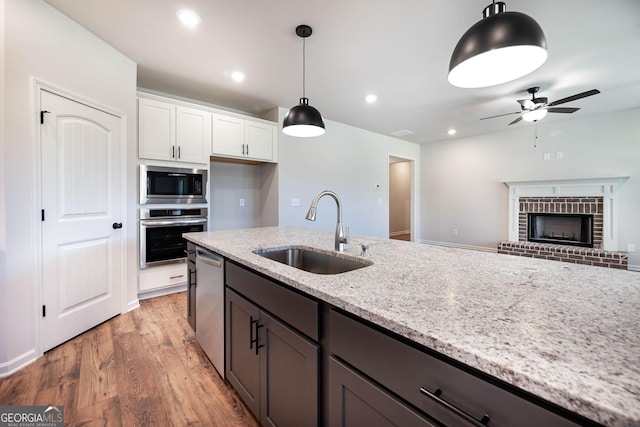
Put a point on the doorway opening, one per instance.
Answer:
(401, 198)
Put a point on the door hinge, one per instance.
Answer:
(42, 113)
(42, 214)
(44, 311)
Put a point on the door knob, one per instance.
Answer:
(116, 225)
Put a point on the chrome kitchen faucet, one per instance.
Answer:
(341, 238)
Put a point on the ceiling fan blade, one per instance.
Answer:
(562, 110)
(515, 121)
(574, 97)
(500, 115)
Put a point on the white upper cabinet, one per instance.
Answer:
(228, 136)
(260, 140)
(156, 130)
(193, 135)
(180, 132)
(174, 133)
(244, 139)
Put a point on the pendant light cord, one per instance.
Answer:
(304, 45)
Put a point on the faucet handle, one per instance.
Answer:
(365, 250)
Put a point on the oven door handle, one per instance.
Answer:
(160, 223)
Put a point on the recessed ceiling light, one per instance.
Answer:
(237, 76)
(451, 131)
(371, 98)
(188, 18)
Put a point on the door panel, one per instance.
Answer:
(288, 376)
(81, 199)
(241, 356)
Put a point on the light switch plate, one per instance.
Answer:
(295, 202)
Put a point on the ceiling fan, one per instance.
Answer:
(535, 109)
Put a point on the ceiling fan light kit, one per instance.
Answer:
(535, 109)
(502, 47)
(535, 115)
(303, 120)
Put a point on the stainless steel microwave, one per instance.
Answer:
(162, 185)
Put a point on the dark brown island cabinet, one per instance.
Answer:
(297, 361)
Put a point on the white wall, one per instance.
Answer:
(42, 43)
(347, 160)
(462, 178)
(4, 320)
(228, 183)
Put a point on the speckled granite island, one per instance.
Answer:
(567, 333)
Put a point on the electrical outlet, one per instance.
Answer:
(295, 202)
(546, 156)
(455, 231)
(559, 155)
(631, 247)
(241, 202)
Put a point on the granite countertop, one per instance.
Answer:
(565, 332)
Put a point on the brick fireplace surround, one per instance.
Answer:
(523, 204)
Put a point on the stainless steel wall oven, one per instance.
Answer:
(161, 240)
(169, 185)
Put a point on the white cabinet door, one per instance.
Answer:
(193, 135)
(156, 130)
(259, 140)
(228, 136)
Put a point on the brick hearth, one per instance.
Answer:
(572, 254)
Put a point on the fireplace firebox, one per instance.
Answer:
(560, 229)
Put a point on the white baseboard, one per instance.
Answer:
(132, 305)
(633, 267)
(17, 363)
(160, 292)
(460, 246)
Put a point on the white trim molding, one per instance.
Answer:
(606, 188)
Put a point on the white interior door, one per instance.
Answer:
(81, 201)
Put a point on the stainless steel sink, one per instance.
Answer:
(312, 261)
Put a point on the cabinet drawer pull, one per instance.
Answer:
(251, 340)
(176, 277)
(435, 396)
(243, 149)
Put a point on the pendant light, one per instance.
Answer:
(303, 120)
(503, 46)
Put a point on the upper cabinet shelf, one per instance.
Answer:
(191, 134)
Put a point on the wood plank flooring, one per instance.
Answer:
(142, 368)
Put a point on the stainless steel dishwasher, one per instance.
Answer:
(210, 306)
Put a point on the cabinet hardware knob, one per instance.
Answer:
(435, 396)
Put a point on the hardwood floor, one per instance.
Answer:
(142, 368)
(406, 236)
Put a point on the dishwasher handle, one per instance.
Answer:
(207, 258)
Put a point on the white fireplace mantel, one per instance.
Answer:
(606, 188)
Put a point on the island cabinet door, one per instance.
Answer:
(242, 358)
(354, 401)
(288, 376)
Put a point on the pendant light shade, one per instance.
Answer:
(303, 120)
(503, 46)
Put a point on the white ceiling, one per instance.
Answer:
(398, 49)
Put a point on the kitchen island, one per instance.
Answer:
(565, 333)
